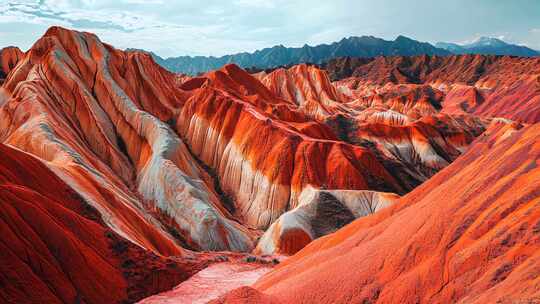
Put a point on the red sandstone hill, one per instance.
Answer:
(500, 86)
(468, 235)
(169, 165)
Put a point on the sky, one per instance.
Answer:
(208, 27)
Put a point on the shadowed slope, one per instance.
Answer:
(56, 249)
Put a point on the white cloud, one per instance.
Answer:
(256, 3)
(217, 27)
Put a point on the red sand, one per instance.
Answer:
(211, 283)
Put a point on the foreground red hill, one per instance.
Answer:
(57, 249)
(471, 234)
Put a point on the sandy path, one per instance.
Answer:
(210, 283)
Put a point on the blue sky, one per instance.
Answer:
(173, 28)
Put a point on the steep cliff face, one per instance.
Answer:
(468, 235)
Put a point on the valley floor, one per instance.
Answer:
(211, 283)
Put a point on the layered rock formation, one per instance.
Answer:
(265, 153)
(107, 136)
(468, 235)
(495, 86)
(400, 124)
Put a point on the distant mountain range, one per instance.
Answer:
(364, 46)
(488, 46)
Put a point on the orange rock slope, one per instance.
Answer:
(471, 234)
